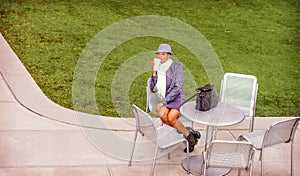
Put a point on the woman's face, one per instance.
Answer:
(163, 56)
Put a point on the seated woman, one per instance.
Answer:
(166, 81)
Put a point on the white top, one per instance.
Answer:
(221, 115)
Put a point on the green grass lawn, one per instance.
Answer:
(256, 37)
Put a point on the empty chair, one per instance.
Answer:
(153, 100)
(279, 132)
(163, 137)
(240, 90)
(228, 154)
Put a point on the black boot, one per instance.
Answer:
(196, 134)
(192, 142)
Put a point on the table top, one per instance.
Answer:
(221, 115)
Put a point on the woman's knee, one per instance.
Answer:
(163, 114)
(164, 118)
(173, 116)
(171, 119)
(167, 119)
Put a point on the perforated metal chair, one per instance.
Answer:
(163, 137)
(279, 132)
(240, 90)
(153, 99)
(229, 154)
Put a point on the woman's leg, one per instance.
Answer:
(169, 117)
(172, 119)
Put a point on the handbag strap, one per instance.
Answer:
(207, 87)
(188, 99)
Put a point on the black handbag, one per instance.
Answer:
(206, 98)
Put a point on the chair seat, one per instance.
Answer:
(255, 138)
(168, 136)
(230, 160)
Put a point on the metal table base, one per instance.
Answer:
(196, 164)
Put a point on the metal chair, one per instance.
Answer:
(152, 100)
(229, 154)
(163, 137)
(279, 132)
(241, 91)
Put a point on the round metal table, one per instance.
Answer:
(221, 115)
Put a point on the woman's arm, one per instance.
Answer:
(177, 82)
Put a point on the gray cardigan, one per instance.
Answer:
(176, 74)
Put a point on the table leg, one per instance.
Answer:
(209, 136)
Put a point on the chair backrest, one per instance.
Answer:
(144, 123)
(230, 154)
(152, 99)
(281, 132)
(240, 90)
(148, 92)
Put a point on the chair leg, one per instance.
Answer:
(250, 170)
(251, 125)
(204, 164)
(239, 172)
(215, 130)
(251, 164)
(259, 156)
(132, 150)
(154, 161)
(261, 162)
(188, 157)
(292, 157)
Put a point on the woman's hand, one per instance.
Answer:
(160, 109)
